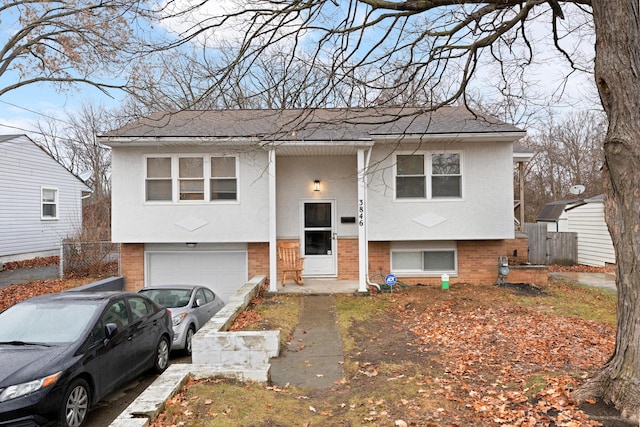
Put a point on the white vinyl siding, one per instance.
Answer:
(594, 241)
(25, 169)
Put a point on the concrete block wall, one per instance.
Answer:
(213, 344)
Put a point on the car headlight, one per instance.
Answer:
(19, 390)
(178, 319)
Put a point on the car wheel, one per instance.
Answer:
(162, 355)
(75, 405)
(188, 339)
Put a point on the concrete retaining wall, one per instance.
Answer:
(242, 355)
(109, 284)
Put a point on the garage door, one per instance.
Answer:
(222, 272)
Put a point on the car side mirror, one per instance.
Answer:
(110, 330)
(198, 303)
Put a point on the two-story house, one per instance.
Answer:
(204, 196)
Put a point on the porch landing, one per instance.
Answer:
(320, 287)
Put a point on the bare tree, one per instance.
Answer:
(567, 152)
(444, 46)
(65, 42)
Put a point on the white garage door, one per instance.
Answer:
(222, 272)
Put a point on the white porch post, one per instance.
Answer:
(362, 223)
(273, 255)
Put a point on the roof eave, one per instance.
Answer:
(510, 136)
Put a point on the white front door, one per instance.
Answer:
(317, 238)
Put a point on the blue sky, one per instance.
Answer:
(21, 107)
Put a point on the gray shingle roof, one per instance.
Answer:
(552, 210)
(312, 124)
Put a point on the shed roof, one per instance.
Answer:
(552, 211)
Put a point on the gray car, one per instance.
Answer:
(191, 307)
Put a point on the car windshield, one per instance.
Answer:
(169, 298)
(50, 322)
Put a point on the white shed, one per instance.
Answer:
(594, 242)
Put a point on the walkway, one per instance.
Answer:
(314, 356)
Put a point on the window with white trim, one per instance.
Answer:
(446, 178)
(49, 202)
(224, 183)
(183, 178)
(428, 175)
(159, 186)
(432, 258)
(191, 178)
(410, 176)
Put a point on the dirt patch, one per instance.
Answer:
(524, 289)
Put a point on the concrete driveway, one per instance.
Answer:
(597, 280)
(25, 275)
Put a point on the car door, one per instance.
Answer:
(203, 309)
(114, 359)
(145, 330)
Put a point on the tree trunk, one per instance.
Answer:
(617, 70)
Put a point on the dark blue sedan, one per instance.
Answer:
(62, 353)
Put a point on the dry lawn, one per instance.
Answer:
(468, 356)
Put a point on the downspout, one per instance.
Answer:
(363, 167)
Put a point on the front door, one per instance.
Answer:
(317, 240)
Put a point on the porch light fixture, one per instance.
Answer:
(191, 244)
(316, 185)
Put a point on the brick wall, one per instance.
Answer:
(379, 260)
(258, 259)
(477, 262)
(348, 264)
(517, 249)
(132, 265)
(536, 274)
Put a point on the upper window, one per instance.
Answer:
(183, 178)
(223, 178)
(410, 176)
(191, 178)
(49, 200)
(434, 176)
(445, 175)
(159, 184)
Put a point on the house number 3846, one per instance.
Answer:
(361, 212)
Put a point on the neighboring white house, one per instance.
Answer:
(40, 201)
(204, 196)
(586, 218)
(594, 241)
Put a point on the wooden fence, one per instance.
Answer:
(547, 248)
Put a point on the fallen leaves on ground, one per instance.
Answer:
(485, 352)
(583, 268)
(15, 293)
(31, 263)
